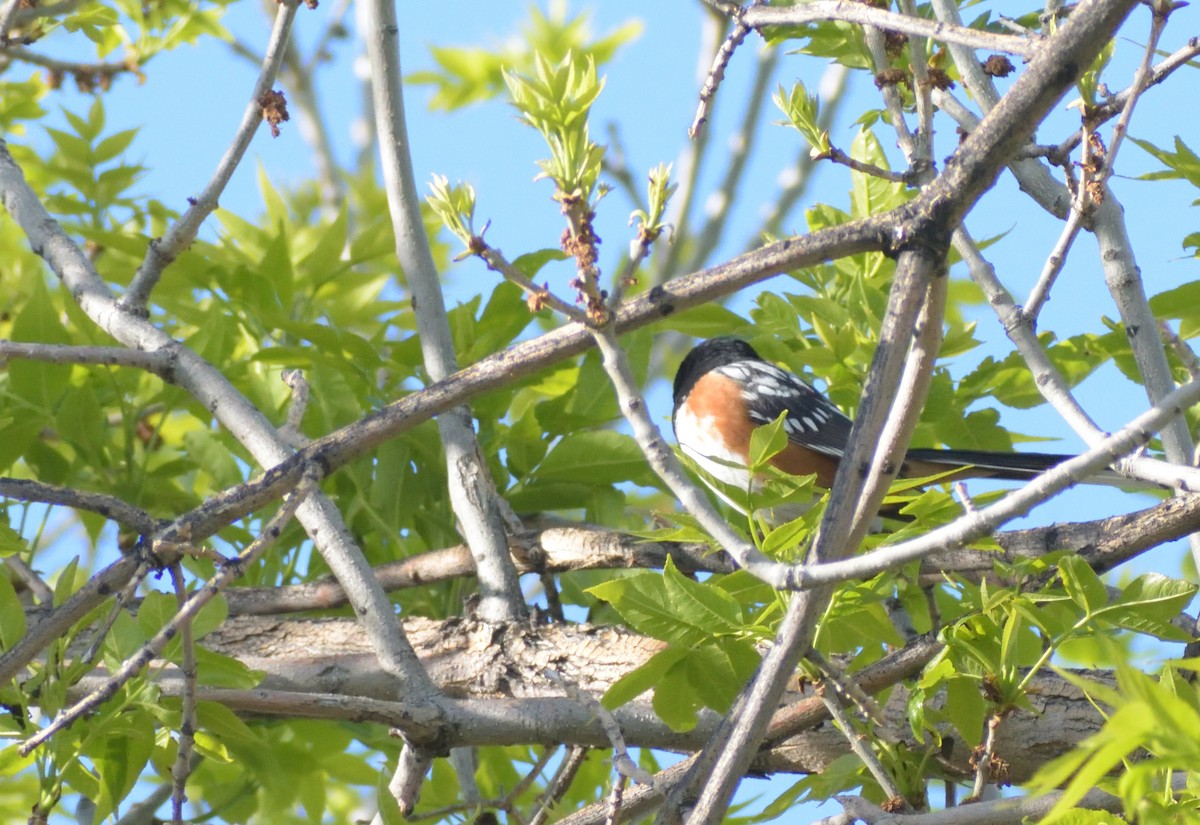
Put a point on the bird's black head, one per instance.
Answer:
(706, 356)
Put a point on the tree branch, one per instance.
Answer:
(155, 646)
(179, 237)
(160, 362)
(111, 507)
(472, 493)
(243, 420)
(761, 16)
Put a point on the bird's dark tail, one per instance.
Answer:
(983, 464)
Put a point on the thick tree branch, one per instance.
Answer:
(324, 669)
(472, 493)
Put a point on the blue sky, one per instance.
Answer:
(192, 100)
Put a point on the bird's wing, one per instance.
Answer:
(812, 420)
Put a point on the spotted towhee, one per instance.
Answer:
(724, 389)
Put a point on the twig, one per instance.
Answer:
(760, 16)
(615, 797)
(1182, 351)
(964, 497)
(405, 784)
(1033, 177)
(984, 756)
(1124, 281)
(553, 550)
(1123, 277)
(615, 166)
(164, 250)
(662, 459)
(334, 27)
(1010, 811)
(86, 599)
(622, 762)
(741, 143)
(120, 605)
(143, 812)
(197, 600)
(553, 602)
(187, 720)
(111, 507)
(708, 90)
(966, 61)
(536, 296)
(1110, 108)
(911, 390)
(27, 15)
(472, 493)
(530, 776)
(41, 591)
(299, 81)
(1159, 12)
(465, 762)
(64, 67)
(1054, 264)
(836, 155)
(892, 99)
(797, 177)
(690, 160)
(922, 87)
(857, 742)
(1103, 543)
(558, 786)
(159, 362)
(290, 431)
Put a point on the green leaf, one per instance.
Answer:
(1082, 584)
(386, 805)
(803, 110)
(531, 263)
(113, 145)
(325, 259)
(1183, 163)
(768, 441)
(218, 670)
(64, 584)
(704, 321)
(719, 670)
(594, 458)
(1149, 603)
(12, 614)
(38, 384)
(120, 750)
(676, 701)
(642, 678)
(700, 603)
(211, 453)
(156, 610)
(671, 607)
(11, 542)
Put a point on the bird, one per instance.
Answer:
(724, 390)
